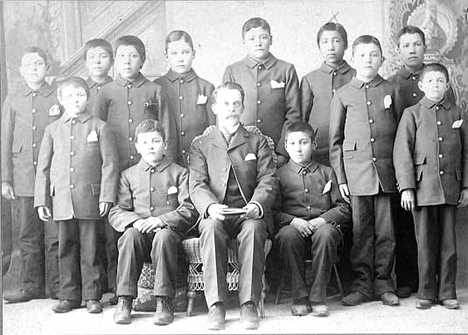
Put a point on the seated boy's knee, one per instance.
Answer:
(129, 234)
(326, 232)
(286, 233)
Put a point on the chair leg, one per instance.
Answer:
(280, 288)
(338, 280)
(261, 302)
(191, 295)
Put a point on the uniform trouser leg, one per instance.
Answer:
(111, 254)
(164, 255)
(90, 274)
(251, 256)
(101, 250)
(435, 234)
(51, 256)
(31, 243)
(325, 243)
(69, 260)
(133, 250)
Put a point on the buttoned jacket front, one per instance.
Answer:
(77, 167)
(25, 116)
(249, 157)
(94, 89)
(272, 96)
(431, 152)
(363, 124)
(124, 104)
(189, 100)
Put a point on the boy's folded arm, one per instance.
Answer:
(121, 218)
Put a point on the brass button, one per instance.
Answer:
(367, 86)
(72, 186)
(152, 189)
(151, 208)
(374, 159)
(34, 94)
(34, 128)
(182, 115)
(306, 190)
(72, 153)
(258, 102)
(259, 121)
(130, 120)
(72, 169)
(131, 157)
(258, 84)
(34, 110)
(441, 156)
(72, 137)
(372, 139)
(34, 145)
(441, 172)
(440, 139)
(368, 103)
(371, 121)
(183, 151)
(181, 97)
(130, 139)
(438, 123)
(129, 85)
(129, 102)
(414, 95)
(34, 163)
(182, 133)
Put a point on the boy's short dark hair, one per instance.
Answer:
(99, 42)
(410, 30)
(35, 50)
(434, 67)
(74, 82)
(133, 41)
(333, 26)
(300, 126)
(255, 22)
(148, 126)
(230, 86)
(177, 35)
(367, 39)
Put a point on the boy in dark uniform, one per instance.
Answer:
(431, 160)
(25, 115)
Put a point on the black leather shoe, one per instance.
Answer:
(249, 315)
(23, 296)
(403, 292)
(354, 299)
(164, 311)
(300, 307)
(423, 304)
(451, 303)
(93, 306)
(217, 316)
(65, 306)
(123, 310)
(114, 300)
(389, 299)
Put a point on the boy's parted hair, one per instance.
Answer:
(410, 30)
(76, 82)
(177, 35)
(99, 42)
(434, 67)
(367, 39)
(35, 50)
(133, 41)
(229, 85)
(255, 22)
(301, 126)
(148, 126)
(333, 26)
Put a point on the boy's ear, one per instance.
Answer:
(213, 109)
(383, 60)
(420, 85)
(271, 39)
(314, 144)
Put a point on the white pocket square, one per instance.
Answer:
(202, 99)
(54, 110)
(327, 187)
(387, 101)
(92, 137)
(275, 84)
(457, 124)
(172, 190)
(250, 157)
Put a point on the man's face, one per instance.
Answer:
(228, 107)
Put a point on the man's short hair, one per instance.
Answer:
(367, 39)
(133, 41)
(229, 85)
(177, 35)
(75, 82)
(333, 26)
(148, 126)
(35, 50)
(300, 126)
(434, 67)
(410, 30)
(99, 42)
(255, 22)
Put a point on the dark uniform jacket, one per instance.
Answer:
(317, 89)
(25, 115)
(189, 100)
(310, 192)
(272, 100)
(249, 157)
(94, 89)
(123, 105)
(363, 124)
(159, 191)
(78, 167)
(431, 152)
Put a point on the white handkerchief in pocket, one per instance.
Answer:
(250, 157)
(202, 99)
(457, 124)
(387, 101)
(92, 137)
(275, 84)
(172, 190)
(54, 110)
(327, 187)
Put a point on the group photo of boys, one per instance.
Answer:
(168, 159)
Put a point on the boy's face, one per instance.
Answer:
(180, 56)
(98, 62)
(257, 43)
(434, 85)
(299, 147)
(73, 99)
(332, 47)
(33, 68)
(367, 60)
(150, 146)
(228, 107)
(412, 50)
(128, 61)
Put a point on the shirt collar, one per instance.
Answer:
(82, 118)
(45, 90)
(137, 82)
(268, 63)
(431, 104)
(297, 168)
(160, 166)
(360, 84)
(91, 83)
(343, 68)
(188, 77)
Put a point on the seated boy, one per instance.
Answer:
(431, 159)
(232, 167)
(153, 211)
(311, 215)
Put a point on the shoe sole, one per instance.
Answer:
(216, 326)
(392, 304)
(123, 322)
(162, 322)
(423, 306)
